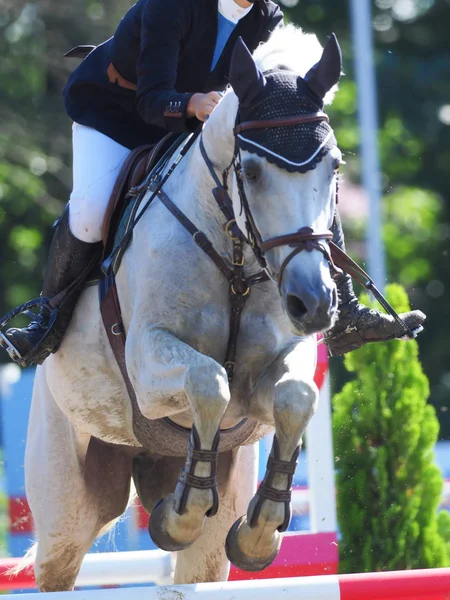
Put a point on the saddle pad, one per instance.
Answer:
(127, 206)
(125, 222)
(132, 202)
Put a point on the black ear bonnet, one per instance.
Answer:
(279, 94)
(297, 148)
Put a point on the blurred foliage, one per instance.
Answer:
(389, 485)
(35, 141)
(413, 71)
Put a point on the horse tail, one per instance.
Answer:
(25, 563)
(110, 527)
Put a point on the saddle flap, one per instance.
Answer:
(133, 173)
(130, 171)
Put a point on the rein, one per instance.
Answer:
(240, 285)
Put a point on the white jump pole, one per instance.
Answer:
(319, 444)
(425, 584)
(309, 588)
(113, 568)
(100, 569)
(361, 13)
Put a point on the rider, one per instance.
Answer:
(160, 72)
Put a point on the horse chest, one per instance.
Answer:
(208, 328)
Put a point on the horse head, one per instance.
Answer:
(286, 163)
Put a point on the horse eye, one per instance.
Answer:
(251, 171)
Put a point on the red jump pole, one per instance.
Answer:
(421, 584)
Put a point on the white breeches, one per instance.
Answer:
(97, 160)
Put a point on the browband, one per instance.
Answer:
(285, 122)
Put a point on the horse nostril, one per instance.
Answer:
(295, 307)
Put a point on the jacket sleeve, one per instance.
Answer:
(275, 21)
(164, 23)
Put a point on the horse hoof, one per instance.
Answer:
(250, 561)
(157, 527)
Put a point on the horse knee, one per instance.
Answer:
(207, 390)
(208, 385)
(295, 403)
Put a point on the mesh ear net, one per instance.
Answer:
(296, 148)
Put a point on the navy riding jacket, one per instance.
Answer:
(164, 49)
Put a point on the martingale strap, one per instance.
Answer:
(240, 285)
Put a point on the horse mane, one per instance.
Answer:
(292, 49)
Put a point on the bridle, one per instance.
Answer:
(303, 239)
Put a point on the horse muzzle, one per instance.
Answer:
(311, 307)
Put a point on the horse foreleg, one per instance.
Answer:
(287, 397)
(206, 560)
(172, 374)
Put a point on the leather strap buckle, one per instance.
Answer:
(246, 292)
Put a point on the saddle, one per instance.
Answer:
(129, 185)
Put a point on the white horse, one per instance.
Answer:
(84, 442)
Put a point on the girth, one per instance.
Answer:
(160, 436)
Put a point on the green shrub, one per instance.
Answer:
(388, 485)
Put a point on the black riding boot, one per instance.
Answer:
(357, 324)
(69, 264)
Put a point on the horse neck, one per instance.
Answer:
(192, 191)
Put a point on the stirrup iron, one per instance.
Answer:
(25, 309)
(348, 265)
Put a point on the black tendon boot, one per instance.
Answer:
(69, 264)
(357, 325)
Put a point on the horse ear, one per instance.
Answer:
(245, 77)
(327, 72)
